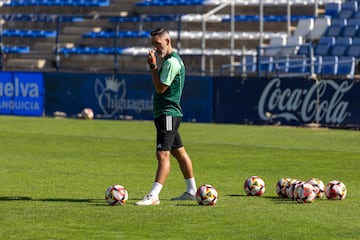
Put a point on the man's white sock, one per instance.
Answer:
(190, 185)
(156, 189)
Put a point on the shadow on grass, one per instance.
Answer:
(26, 198)
(15, 198)
(274, 199)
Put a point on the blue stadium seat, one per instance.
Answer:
(329, 65)
(350, 31)
(341, 46)
(303, 50)
(338, 50)
(346, 13)
(346, 66)
(350, 5)
(356, 15)
(332, 9)
(266, 63)
(353, 22)
(247, 64)
(280, 64)
(322, 48)
(353, 51)
(355, 40)
(296, 65)
(333, 31)
(343, 40)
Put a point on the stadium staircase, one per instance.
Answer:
(103, 36)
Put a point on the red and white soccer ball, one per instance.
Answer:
(281, 186)
(87, 113)
(116, 195)
(304, 193)
(290, 188)
(254, 186)
(206, 195)
(335, 190)
(318, 186)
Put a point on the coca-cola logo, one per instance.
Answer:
(305, 105)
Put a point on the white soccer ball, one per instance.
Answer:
(116, 195)
(254, 186)
(290, 188)
(335, 190)
(318, 186)
(87, 113)
(281, 186)
(206, 195)
(304, 193)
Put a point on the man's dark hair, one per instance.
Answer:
(159, 31)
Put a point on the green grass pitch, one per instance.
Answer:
(54, 173)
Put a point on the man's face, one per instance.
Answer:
(160, 44)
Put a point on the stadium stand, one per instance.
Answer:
(86, 35)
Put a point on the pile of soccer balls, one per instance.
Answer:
(298, 190)
(308, 191)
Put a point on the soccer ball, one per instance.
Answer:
(304, 193)
(116, 195)
(290, 188)
(87, 113)
(206, 195)
(281, 187)
(335, 190)
(318, 186)
(254, 186)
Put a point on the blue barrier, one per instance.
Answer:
(295, 101)
(21, 94)
(261, 101)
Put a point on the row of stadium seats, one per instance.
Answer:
(347, 9)
(213, 18)
(15, 49)
(90, 50)
(340, 46)
(183, 34)
(323, 65)
(29, 33)
(39, 18)
(85, 3)
(135, 51)
(217, 2)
